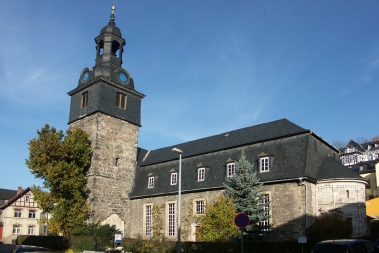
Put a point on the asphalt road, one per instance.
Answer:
(6, 248)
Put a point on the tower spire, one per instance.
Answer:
(112, 18)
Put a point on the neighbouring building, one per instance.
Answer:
(355, 153)
(301, 172)
(362, 159)
(20, 215)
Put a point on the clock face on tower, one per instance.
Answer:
(85, 76)
(123, 77)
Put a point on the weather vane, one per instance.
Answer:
(113, 7)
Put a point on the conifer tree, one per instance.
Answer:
(246, 191)
(62, 162)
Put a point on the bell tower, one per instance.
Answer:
(106, 105)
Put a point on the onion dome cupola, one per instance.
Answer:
(107, 81)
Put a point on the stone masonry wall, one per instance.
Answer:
(112, 171)
(287, 209)
(349, 196)
(290, 212)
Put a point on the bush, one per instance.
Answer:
(80, 243)
(374, 227)
(52, 242)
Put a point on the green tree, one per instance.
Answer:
(62, 162)
(217, 223)
(330, 225)
(247, 193)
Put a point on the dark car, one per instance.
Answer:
(345, 246)
(27, 248)
(377, 242)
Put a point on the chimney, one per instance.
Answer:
(19, 189)
(376, 139)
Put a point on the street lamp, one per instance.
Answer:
(178, 151)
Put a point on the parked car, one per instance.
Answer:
(345, 246)
(28, 248)
(377, 242)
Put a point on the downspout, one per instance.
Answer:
(359, 212)
(301, 182)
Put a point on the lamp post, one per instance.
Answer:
(178, 151)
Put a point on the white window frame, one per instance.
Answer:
(31, 230)
(264, 164)
(265, 201)
(17, 213)
(16, 229)
(198, 206)
(150, 183)
(148, 220)
(200, 174)
(171, 219)
(174, 178)
(32, 214)
(230, 169)
(27, 198)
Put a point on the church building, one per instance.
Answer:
(300, 171)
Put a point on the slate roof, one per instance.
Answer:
(332, 169)
(236, 138)
(14, 198)
(6, 194)
(287, 144)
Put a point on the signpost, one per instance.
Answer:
(302, 240)
(242, 221)
(118, 237)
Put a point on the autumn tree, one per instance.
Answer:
(217, 223)
(247, 193)
(61, 161)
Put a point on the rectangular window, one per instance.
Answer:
(199, 206)
(84, 100)
(174, 178)
(16, 229)
(171, 219)
(150, 182)
(121, 101)
(264, 164)
(230, 169)
(32, 214)
(265, 202)
(27, 198)
(31, 230)
(201, 174)
(17, 213)
(148, 220)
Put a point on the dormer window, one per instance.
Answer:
(230, 169)
(150, 182)
(264, 164)
(200, 174)
(174, 178)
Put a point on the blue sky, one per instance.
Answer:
(206, 67)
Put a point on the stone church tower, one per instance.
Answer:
(106, 105)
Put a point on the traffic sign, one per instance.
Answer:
(242, 220)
